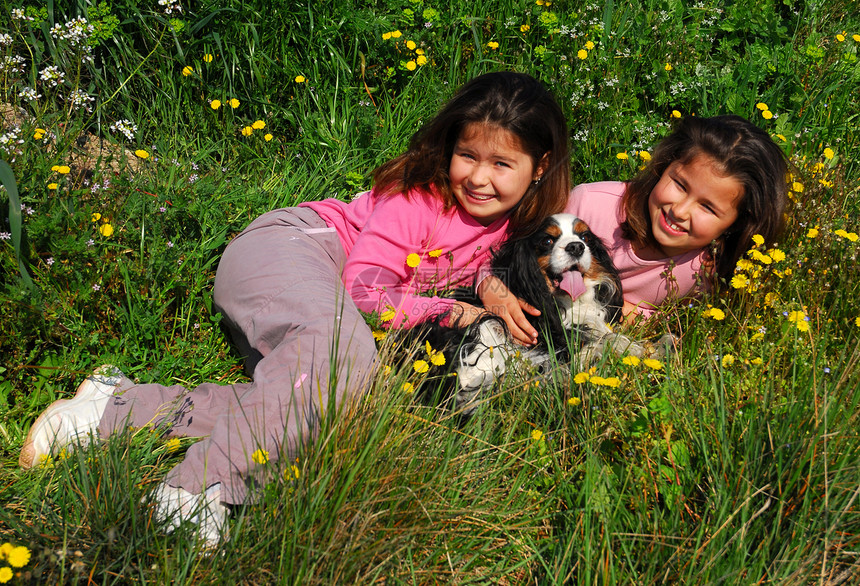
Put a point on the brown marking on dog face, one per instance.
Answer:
(580, 227)
(553, 230)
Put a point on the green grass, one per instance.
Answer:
(735, 463)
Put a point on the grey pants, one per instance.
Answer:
(279, 288)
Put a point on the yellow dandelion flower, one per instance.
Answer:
(574, 401)
(745, 265)
(493, 45)
(852, 236)
(727, 360)
(18, 557)
(258, 125)
(38, 135)
(187, 70)
(419, 52)
(770, 299)
(379, 335)
(828, 153)
(762, 106)
(141, 154)
(301, 79)
(589, 45)
(740, 281)
(812, 233)
(777, 255)
(411, 65)
(797, 187)
(408, 387)
(173, 444)
(396, 34)
(622, 156)
(668, 67)
(767, 114)
(612, 381)
(413, 260)
(581, 377)
(95, 217)
(387, 315)
(208, 57)
(260, 456)
(645, 155)
(437, 359)
(411, 45)
(582, 54)
(857, 321)
(653, 363)
(215, 104)
(386, 36)
(537, 435)
(760, 257)
(421, 60)
(856, 38)
(435, 253)
(758, 239)
(802, 326)
(294, 470)
(631, 360)
(106, 230)
(52, 186)
(420, 366)
(247, 131)
(756, 361)
(841, 233)
(781, 137)
(5, 549)
(524, 28)
(234, 103)
(6, 574)
(386, 370)
(267, 137)
(715, 313)
(840, 37)
(676, 114)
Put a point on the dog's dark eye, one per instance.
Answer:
(547, 242)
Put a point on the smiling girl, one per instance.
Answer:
(291, 288)
(683, 222)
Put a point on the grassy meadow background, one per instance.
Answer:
(140, 141)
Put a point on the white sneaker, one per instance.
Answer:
(70, 421)
(175, 505)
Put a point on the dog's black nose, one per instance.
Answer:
(575, 249)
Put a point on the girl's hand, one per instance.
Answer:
(464, 314)
(498, 299)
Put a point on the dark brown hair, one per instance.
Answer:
(515, 102)
(740, 150)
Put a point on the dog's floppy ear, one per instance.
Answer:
(517, 265)
(607, 291)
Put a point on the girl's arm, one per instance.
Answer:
(377, 272)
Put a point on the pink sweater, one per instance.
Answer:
(646, 283)
(379, 233)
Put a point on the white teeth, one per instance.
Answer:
(480, 197)
(673, 225)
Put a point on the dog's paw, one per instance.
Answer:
(481, 363)
(666, 346)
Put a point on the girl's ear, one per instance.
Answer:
(541, 167)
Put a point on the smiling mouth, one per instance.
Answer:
(673, 227)
(480, 196)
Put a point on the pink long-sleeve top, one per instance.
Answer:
(646, 283)
(380, 233)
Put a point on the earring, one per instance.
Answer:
(537, 181)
